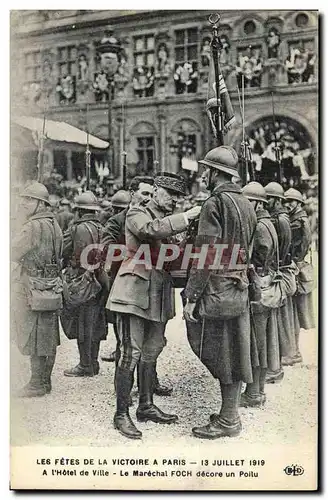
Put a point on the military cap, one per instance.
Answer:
(87, 201)
(294, 194)
(121, 199)
(105, 204)
(37, 191)
(170, 181)
(254, 191)
(64, 201)
(222, 158)
(274, 190)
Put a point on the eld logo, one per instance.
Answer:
(294, 470)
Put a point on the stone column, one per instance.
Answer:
(69, 164)
(162, 140)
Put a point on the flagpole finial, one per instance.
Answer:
(214, 19)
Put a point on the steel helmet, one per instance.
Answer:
(87, 201)
(222, 158)
(274, 190)
(255, 191)
(37, 191)
(121, 199)
(294, 194)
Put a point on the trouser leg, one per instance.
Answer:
(35, 387)
(230, 397)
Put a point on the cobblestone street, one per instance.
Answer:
(79, 411)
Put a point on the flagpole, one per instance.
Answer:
(277, 149)
(216, 46)
(87, 152)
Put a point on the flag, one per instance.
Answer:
(211, 105)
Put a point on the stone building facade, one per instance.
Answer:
(160, 86)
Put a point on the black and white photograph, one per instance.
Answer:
(164, 249)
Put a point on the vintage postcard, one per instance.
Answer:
(164, 250)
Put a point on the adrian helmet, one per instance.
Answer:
(222, 158)
(37, 191)
(121, 199)
(87, 201)
(294, 194)
(255, 191)
(274, 190)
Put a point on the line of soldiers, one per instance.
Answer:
(273, 232)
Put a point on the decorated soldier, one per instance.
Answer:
(280, 219)
(300, 247)
(143, 300)
(219, 330)
(85, 321)
(263, 313)
(37, 251)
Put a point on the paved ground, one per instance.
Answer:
(80, 411)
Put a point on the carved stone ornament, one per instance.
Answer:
(66, 89)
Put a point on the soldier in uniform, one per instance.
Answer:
(301, 244)
(87, 322)
(106, 211)
(263, 318)
(222, 345)
(36, 247)
(64, 215)
(280, 219)
(143, 300)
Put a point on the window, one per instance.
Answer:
(144, 51)
(186, 60)
(145, 151)
(301, 20)
(67, 61)
(32, 65)
(249, 27)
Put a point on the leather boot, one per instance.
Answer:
(249, 401)
(287, 361)
(85, 367)
(35, 387)
(274, 377)
(94, 356)
(218, 428)
(146, 409)
(49, 364)
(122, 420)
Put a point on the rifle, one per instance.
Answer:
(216, 46)
(41, 143)
(246, 150)
(277, 148)
(124, 167)
(87, 155)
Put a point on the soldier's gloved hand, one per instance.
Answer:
(193, 213)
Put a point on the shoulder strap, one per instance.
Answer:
(53, 234)
(242, 227)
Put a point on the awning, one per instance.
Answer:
(59, 131)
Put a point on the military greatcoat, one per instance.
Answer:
(90, 316)
(301, 243)
(138, 290)
(34, 247)
(223, 346)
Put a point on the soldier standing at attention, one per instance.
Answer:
(222, 345)
(37, 247)
(86, 322)
(143, 301)
(280, 219)
(301, 244)
(263, 318)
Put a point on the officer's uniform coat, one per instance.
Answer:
(301, 243)
(143, 292)
(88, 317)
(37, 333)
(223, 346)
